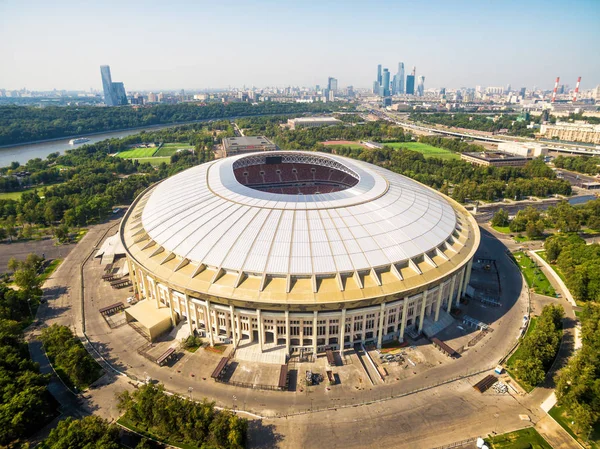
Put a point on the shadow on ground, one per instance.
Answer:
(261, 436)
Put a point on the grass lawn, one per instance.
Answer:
(354, 146)
(589, 231)
(169, 149)
(136, 428)
(17, 195)
(52, 266)
(561, 417)
(534, 276)
(524, 438)
(154, 160)
(135, 153)
(425, 149)
(502, 229)
(557, 270)
(510, 363)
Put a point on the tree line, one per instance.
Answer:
(578, 262)
(172, 418)
(582, 164)
(479, 122)
(539, 347)
(563, 218)
(20, 124)
(68, 356)
(578, 383)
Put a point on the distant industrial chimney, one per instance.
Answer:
(576, 90)
(555, 88)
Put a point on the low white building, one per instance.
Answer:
(525, 149)
(312, 122)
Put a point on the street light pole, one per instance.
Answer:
(190, 389)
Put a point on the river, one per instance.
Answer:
(23, 153)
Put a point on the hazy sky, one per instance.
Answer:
(173, 44)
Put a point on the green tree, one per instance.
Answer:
(500, 218)
(91, 432)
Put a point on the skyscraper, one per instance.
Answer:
(410, 84)
(385, 84)
(114, 93)
(377, 82)
(400, 79)
(332, 84)
(421, 86)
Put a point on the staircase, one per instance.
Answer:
(431, 328)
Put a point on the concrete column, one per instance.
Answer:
(381, 325)
(403, 322)
(189, 315)
(287, 331)
(342, 331)
(423, 305)
(327, 324)
(208, 323)
(155, 286)
(364, 327)
(439, 302)
(261, 330)
(460, 286)
(171, 309)
(468, 275)
(451, 296)
(132, 275)
(301, 331)
(233, 331)
(315, 313)
(398, 316)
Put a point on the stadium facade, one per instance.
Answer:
(301, 249)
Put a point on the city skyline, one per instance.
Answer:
(453, 45)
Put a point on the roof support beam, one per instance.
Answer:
(182, 264)
(357, 279)
(340, 281)
(239, 279)
(414, 266)
(157, 251)
(220, 272)
(396, 272)
(199, 270)
(441, 253)
(149, 244)
(429, 260)
(263, 282)
(375, 277)
(313, 280)
(169, 257)
(288, 283)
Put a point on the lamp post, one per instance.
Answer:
(29, 305)
(190, 389)
(234, 399)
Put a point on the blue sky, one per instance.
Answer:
(174, 44)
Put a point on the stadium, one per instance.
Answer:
(296, 250)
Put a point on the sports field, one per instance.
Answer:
(425, 149)
(169, 149)
(135, 153)
(344, 143)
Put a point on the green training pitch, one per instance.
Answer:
(135, 153)
(425, 149)
(169, 149)
(353, 146)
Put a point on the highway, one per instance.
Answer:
(558, 147)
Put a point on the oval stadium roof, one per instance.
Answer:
(206, 216)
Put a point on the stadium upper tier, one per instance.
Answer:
(297, 217)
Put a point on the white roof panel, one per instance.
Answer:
(206, 215)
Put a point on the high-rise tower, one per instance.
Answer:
(114, 93)
(421, 86)
(400, 78)
(385, 84)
